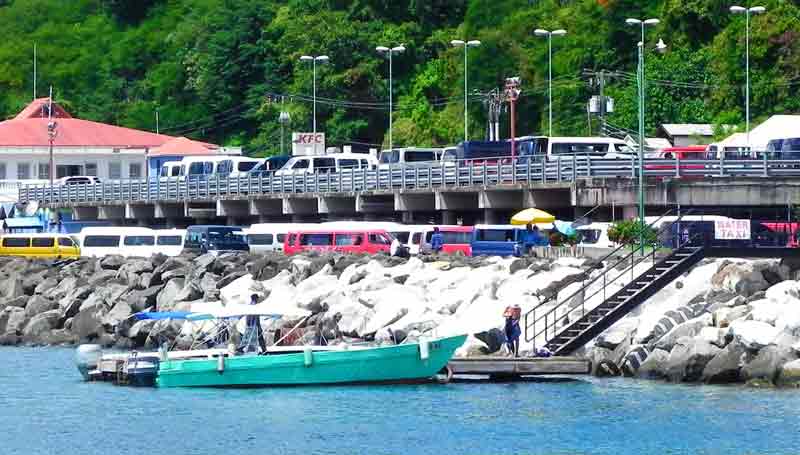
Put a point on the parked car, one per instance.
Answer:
(300, 165)
(364, 241)
(77, 180)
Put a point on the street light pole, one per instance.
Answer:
(549, 35)
(641, 84)
(389, 53)
(747, 13)
(467, 45)
(314, 59)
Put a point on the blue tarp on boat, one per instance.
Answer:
(158, 315)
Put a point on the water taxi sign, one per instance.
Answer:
(732, 229)
(308, 144)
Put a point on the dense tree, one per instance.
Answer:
(222, 70)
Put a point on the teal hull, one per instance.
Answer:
(380, 364)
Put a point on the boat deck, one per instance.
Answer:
(505, 368)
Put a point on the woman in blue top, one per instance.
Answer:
(512, 329)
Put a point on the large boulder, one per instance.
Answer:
(166, 300)
(789, 375)
(688, 358)
(690, 328)
(723, 317)
(40, 324)
(45, 285)
(754, 335)
(139, 299)
(714, 335)
(617, 334)
(88, 322)
(31, 280)
(763, 370)
(726, 366)
(118, 313)
(784, 291)
(70, 303)
(12, 287)
(38, 304)
(743, 278)
(101, 277)
(12, 319)
(21, 302)
(112, 262)
(139, 332)
(655, 366)
(66, 286)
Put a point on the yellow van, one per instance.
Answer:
(50, 246)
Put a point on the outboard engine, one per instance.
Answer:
(87, 357)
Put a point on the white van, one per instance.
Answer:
(170, 241)
(606, 147)
(299, 165)
(236, 166)
(121, 240)
(410, 156)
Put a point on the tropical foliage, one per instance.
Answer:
(631, 232)
(222, 70)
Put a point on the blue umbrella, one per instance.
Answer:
(564, 228)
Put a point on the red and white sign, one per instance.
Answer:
(732, 229)
(308, 144)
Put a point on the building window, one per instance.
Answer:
(91, 169)
(135, 171)
(23, 171)
(114, 171)
(44, 171)
(2, 171)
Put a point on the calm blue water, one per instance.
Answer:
(46, 408)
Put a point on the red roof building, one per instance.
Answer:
(83, 147)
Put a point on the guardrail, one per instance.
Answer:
(476, 173)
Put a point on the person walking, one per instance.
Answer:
(437, 240)
(512, 330)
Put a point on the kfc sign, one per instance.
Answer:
(308, 143)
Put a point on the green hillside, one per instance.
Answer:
(219, 69)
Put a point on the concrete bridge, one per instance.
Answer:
(443, 193)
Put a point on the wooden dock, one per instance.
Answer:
(517, 367)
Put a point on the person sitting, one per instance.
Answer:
(532, 237)
(253, 328)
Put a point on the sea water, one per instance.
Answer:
(46, 408)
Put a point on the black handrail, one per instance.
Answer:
(530, 317)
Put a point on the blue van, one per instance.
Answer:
(497, 240)
(209, 238)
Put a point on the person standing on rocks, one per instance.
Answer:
(512, 330)
(328, 330)
(437, 241)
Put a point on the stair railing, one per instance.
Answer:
(549, 316)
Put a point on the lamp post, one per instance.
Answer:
(550, 35)
(51, 134)
(641, 84)
(747, 13)
(466, 44)
(321, 59)
(389, 52)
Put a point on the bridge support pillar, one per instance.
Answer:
(548, 198)
(111, 212)
(407, 204)
(345, 205)
(233, 209)
(375, 204)
(140, 211)
(456, 201)
(85, 213)
(169, 210)
(266, 209)
(300, 206)
(407, 218)
(449, 217)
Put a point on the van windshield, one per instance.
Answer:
(232, 235)
(389, 157)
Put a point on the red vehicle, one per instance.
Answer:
(456, 238)
(789, 231)
(691, 152)
(344, 241)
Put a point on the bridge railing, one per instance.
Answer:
(486, 172)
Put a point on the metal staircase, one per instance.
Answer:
(567, 325)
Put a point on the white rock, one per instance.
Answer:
(239, 291)
(690, 328)
(783, 291)
(713, 335)
(767, 311)
(753, 335)
(725, 315)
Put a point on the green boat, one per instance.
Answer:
(411, 362)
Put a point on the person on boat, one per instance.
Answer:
(327, 330)
(437, 241)
(512, 330)
(253, 327)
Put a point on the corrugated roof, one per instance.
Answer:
(688, 129)
(181, 146)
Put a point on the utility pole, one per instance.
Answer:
(51, 134)
(512, 92)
